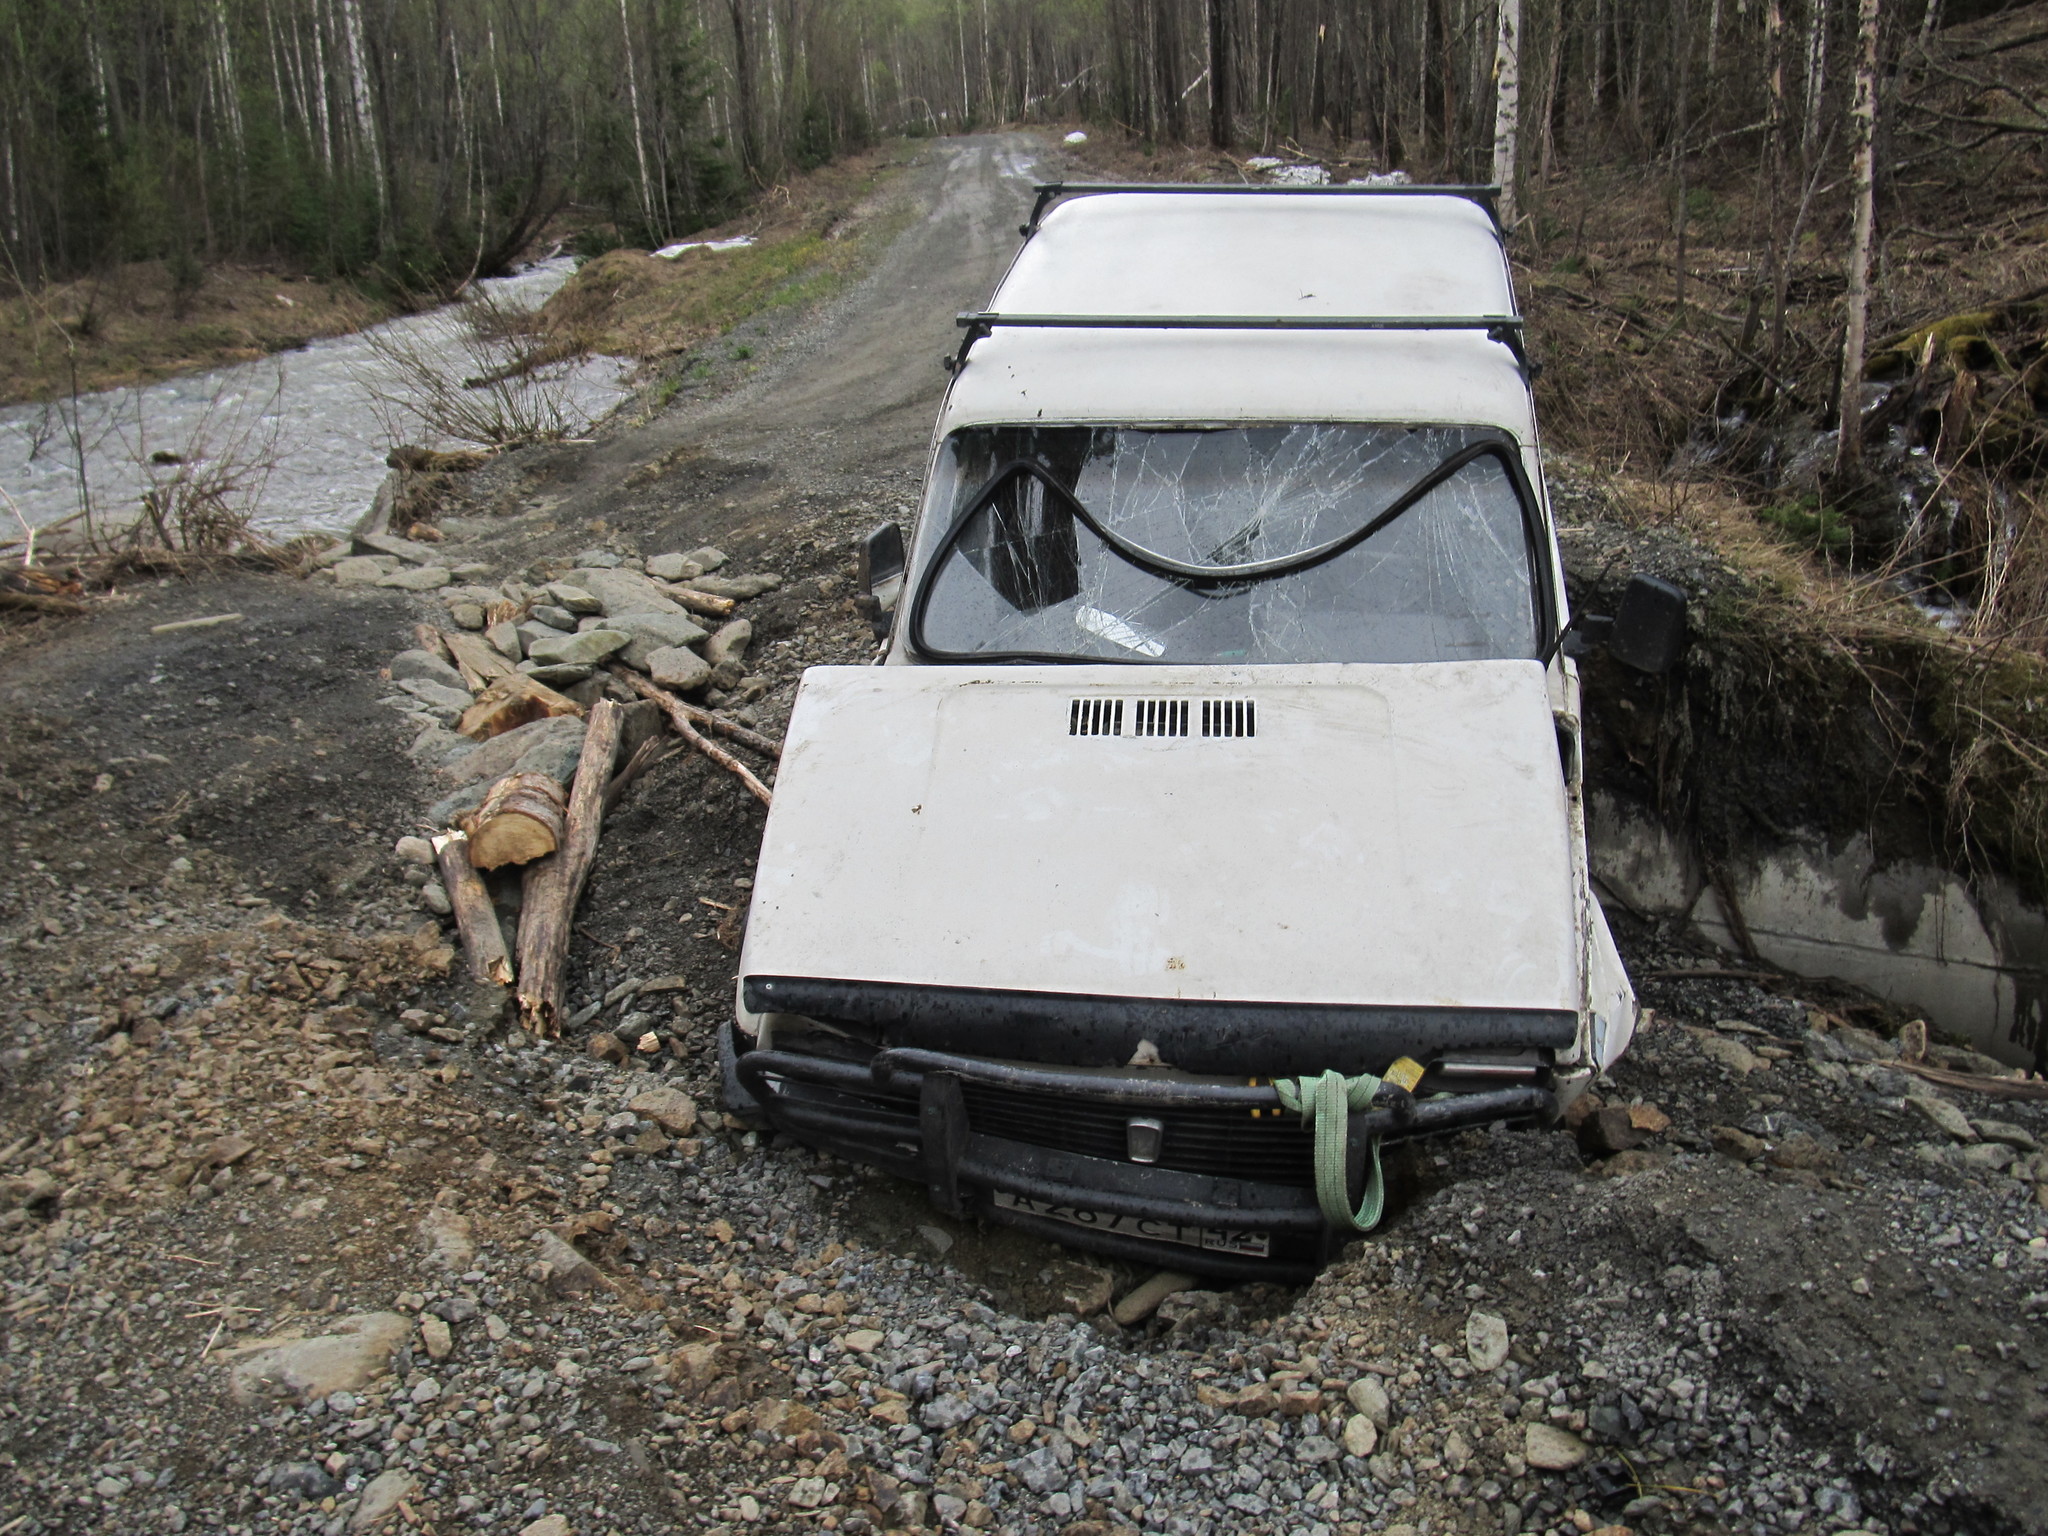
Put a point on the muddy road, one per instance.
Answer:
(297, 1235)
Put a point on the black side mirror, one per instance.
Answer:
(1649, 626)
(882, 563)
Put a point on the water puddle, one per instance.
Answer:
(308, 422)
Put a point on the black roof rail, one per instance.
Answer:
(1050, 192)
(1505, 329)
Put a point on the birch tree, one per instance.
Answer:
(1507, 106)
(1863, 131)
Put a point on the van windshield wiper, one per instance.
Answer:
(1194, 574)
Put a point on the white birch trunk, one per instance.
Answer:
(1863, 128)
(1816, 74)
(359, 93)
(639, 132)
(1507, 106)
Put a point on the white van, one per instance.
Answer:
(1216, 813)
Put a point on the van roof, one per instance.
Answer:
(1228, 255)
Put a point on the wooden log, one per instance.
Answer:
(643, 757)
(554, 883)
(428, 639)
(478, 659)
(40, 602)
(768, 746)
(512, 700)
(519, 821)
(483, 941)
(684, 728)
(710, 606)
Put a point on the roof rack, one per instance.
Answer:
(1050, 192)
(1505, 329)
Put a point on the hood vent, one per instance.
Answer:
(1162, 717)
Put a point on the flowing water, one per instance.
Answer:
(309, 424)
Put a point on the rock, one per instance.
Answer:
(547, 1525)
(1800, 1150)
(579, 650)
(1731, 1054)
(363, 570)
(1369, 1397)
(625, 591)
(434, 897)
(1945, 1117)
(546, 616)
(438, 1337)
(1486, 1340)
(652, 632)
(673, 667)
(438, 695)
(1140, 1302)
(1314, 1450)
(947, 1412)
(381, 1497)
(425, 667)
(1608, 1131)
(669, 1108)
(940, 1239)
(1738, 1144)
(2006, 1134)
(1986, 1156)
(541, 746)
(410, 551)
(706, 558)
(1553, 1449)
(741, 587)
(466, 615)
(730, 643)
(1649, 1118)
(448, 1238)
(475, 570)
(437, 747)
(557, 675)
(569, 1273)
(862, 1341)
(1361, 1435)
(504, 639)
(673, 567)
(573, 597)
(415, 850)
(355, 1354)
(1081, 1289)
(418, 578)
(1041, 1471)
(606, 1046)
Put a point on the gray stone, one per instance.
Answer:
(558, 674)
(307, 1479)
(579, 650)
(673, 567)
(600, 559)
(472, 570)
(674, 667)
(729, 644)
(505, 639)
(948, 1412)
(1369, 1397)
(539, 746)
(438, 696)
(549, 616)
(652, 632)
(737, 586)
(363, 570)
(355, 1354)
(1553, 1449)
(574, 596)
(483, 597)
(434, 897)
(381, 1497)
(624, 591)
(410, 551)
(1361, 1435)
(1196, 1458)
(1945, 1117)
(1486, 1340)
(415, 850)
(466, 615)
(448, 1237)
(706, 558)
(425, 667)
(419, 578)
(1041, 1471)
(1314, 1450)
(1143, 1300)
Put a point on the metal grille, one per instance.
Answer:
(1095, 717)
(1219, 1141)
(1229, 717)
(1159, 717)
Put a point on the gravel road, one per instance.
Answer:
(295, 1235)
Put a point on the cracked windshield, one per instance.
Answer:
(1448, 579)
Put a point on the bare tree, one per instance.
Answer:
(1863, 127)
(1507, 106)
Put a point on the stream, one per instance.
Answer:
(310, 422)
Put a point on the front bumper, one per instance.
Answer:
(1233, 1173)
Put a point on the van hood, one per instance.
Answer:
(1348, 835)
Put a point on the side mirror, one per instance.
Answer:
(1649, 626)
(882, 563)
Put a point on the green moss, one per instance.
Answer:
(1808, 524)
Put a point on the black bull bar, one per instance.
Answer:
(906, 1111)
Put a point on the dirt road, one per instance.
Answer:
(297, 1235)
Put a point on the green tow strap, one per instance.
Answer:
(1325, 1104)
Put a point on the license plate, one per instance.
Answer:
(1249, 1245)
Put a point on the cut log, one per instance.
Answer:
(554, 883)
(512, 700)
(478, 659)
(428, 639)
(519, 821)
(686, 729)
(703, 602)
(40, 602)
(483, 941)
